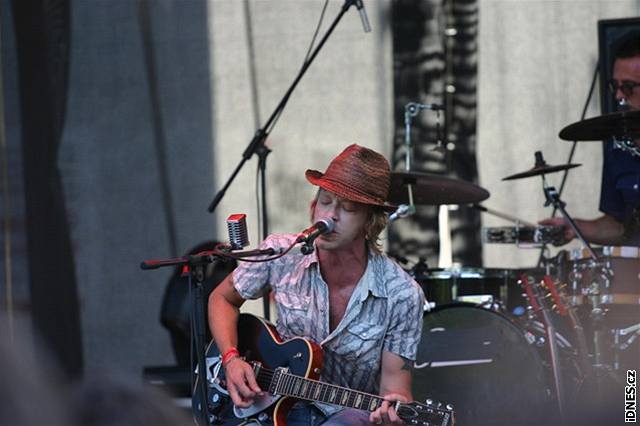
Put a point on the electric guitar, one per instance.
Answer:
(287, 372)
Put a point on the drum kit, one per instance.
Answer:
(543, 345)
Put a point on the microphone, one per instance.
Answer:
(238, 234)
(323, 226)
(363, 16)
(403, 210)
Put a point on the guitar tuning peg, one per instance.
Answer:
(449, 407)
(439, 405)
(429, 401)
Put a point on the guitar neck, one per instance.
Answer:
(288, 384)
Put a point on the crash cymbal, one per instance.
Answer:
(429, 189)
(541, 170)
(625, 124)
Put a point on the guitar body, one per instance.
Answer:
(259, 342)
(288, 372)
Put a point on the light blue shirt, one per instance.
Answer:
(384, 312)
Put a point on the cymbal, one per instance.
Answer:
(433, 190)
(625, 124)
(541, 170)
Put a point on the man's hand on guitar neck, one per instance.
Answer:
(386, 414)
(241, 382)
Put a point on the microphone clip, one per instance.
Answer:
(307, 248)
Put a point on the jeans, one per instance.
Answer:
(305, 414)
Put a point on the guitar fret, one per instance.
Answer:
(325, 391)
(292, 384)
(287, 384)
(332, 396)
(301, 387)
(345, 397)
(358, 401)
(316, 394)
(373, 405)
(305, 389)
(296, 387)
(276, 382)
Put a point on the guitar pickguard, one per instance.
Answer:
(259, 404)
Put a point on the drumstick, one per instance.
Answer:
(503, 215)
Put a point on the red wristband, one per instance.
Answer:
(229, 355)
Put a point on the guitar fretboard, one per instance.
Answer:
(288, 384)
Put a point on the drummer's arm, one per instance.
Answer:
(604, 230)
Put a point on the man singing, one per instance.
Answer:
(347, 296)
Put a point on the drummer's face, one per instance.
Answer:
(628, 70)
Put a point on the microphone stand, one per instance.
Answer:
(257, 144)
(194, 266)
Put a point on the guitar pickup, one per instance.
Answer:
(256, 367)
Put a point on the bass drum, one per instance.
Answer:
(486, 365)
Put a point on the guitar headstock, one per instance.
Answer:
(431, 413)
(539, 293)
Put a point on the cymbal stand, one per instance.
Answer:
(410, 110)
(632, 332)
(597, 313)
(553, 198)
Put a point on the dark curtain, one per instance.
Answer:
(426, 62)
(43, 40)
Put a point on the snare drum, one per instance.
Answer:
(614, 280)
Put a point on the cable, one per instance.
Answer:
(315, 34)
(573, 147)
(304, 64)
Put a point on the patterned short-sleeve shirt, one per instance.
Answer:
(384, 312)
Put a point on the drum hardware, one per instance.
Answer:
(429, 189)
(503, 215)
(523, 236)
(488, 288)
(631, 333)
(541, 168)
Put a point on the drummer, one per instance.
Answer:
(620, 190)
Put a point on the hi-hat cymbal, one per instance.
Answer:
(625, 124)
(430, 189)
(541, 170)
